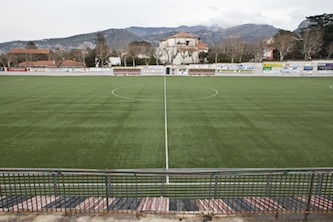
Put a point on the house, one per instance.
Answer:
(181, 48)
(28, 55)
(269, 49)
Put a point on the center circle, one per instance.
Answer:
(174, 93)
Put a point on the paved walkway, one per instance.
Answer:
(60, 217)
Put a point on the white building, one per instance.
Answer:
(182, 48)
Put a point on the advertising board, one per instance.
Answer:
(236, 68)
(17, 69)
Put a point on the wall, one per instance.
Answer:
(293, 68)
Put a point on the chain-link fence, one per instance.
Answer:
(216, 191)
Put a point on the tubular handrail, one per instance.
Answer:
(171, 171)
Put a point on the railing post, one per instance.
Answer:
(309, 195)
(108, 191)
(55, 185)
(136, 185)
(268, 186)
(216, 186)
(2, 178)
(163, 182)
(320, 184)
(64, 190)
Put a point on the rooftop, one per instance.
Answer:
(183, 35)
(29, 51)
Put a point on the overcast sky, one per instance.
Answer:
(40, 19)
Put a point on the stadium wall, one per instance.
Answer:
(287, 68)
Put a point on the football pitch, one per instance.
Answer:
(161, 122)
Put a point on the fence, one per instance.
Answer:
(216, 191)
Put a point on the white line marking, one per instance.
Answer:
(331, 87)
(166, 130)
(11, 81)
(113, 92)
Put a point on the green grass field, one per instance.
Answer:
(119, 122)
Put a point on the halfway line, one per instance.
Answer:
(166, 131)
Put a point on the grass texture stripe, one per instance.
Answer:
(76, 122)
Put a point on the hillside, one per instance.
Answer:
(118, 38)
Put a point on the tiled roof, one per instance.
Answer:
(28, 51)
(182, 35)
(202, 46)
(71, 63)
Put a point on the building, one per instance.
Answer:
(29, 55)
(181, 48)
(269, 49)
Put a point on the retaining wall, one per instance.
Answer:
(286, 68)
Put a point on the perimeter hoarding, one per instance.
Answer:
(308, 68)
(17, 69)
(325, 67)
(153, 70)
(282, 68)
(236, 68)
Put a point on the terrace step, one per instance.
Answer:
(164, 204)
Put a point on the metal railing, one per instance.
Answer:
(216, 191)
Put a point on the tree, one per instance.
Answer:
(157, 54)
(3, 60)
(242, 47)
(103, 51)
(58, 56)
(90, 58)
(123, 51)
(329, 49)
(31, 45)
(284, 42)
(12, 59)
(233, 47)
(324, 23)
(140, 50)
(76, 55)
(132, 51)
(213, 53)
(202, 57)
(187, 51)
(148, 55)
(312, 41)
(256, 49)
(319, 21)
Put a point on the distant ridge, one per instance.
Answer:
(118, 38)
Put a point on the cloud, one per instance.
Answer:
(280, 19)
(214, 8)
(232, 18)
(59, 18)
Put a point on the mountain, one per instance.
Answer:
(247, 32)
(304, 25)
(117, 38)
(214, 35)
(114, 37)
(142, 32)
